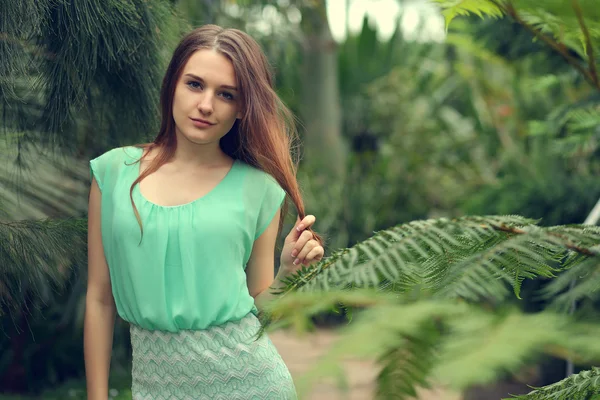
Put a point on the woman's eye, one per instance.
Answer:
(227, 96)
(194, 85)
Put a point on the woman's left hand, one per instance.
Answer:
(300, 247)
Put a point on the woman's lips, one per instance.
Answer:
(201, 123)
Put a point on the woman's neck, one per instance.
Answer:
(189, 154)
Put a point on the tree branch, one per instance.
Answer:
(588, 42)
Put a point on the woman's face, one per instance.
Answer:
(206, 101)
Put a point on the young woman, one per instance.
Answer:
(182, 231)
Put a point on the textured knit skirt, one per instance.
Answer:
(224, 362)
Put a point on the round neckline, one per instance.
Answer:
(189, 203)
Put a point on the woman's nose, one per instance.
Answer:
(205, 105)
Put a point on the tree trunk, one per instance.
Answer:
(324, 149)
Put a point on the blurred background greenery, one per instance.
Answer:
(398, 124)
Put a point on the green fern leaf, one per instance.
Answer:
(580, 281)
(450, 342)
(484, 346)
(407, 367)
(481, 8)
(470, 257)
(582, 386)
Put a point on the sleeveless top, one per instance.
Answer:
(188, 272)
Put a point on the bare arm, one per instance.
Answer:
(100, 309)
(299, 248)
(261, 265)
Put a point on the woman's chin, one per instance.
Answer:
(200, 138)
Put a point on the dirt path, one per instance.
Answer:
(300, 353)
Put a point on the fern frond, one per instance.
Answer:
(390, 255)
(572, 127)
(470, 257)
(580, 281)
(560, 24)
(473, 345)
(582, 386)
(479, 348)
(481, 8)
(584, 120)
(407, 367)
(472, 46)
(378, 333)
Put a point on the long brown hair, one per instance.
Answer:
(265, 137)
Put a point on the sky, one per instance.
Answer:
(384, 14)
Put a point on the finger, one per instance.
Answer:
(302, 240)
(311, 244)
(306, 222)
(316, 254)
(299, 227)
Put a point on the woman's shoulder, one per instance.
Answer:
(125, 153)
(114, 159)
(108, 165)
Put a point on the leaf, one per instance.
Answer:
(481, 8)
(452, 343)
(36, 257)
(582, 386)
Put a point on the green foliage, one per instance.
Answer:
(581, 279)
(363, 58)
(544, 188)
(574, 127)
(41, 302)
(450, 258)
(440, 341)
(431, 125)
(582, 386)
(82, 65)
(75, 389)
(574, 25)
(406, 367)
(409, 284)
(454, 8)
(37, 258)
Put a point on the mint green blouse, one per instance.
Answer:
(189, 270)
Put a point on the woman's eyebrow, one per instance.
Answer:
(230, 87)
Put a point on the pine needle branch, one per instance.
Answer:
(36, 257)
(35, 50)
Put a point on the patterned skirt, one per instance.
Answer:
(222, 362)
